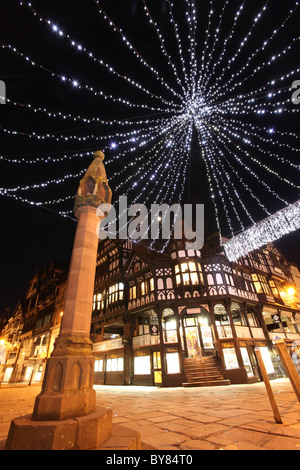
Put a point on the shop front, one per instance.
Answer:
(146, 367)
(109, 366)
(197, 332)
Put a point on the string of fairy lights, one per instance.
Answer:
(221, 85)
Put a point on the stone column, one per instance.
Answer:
(67, 389)
(64, 415)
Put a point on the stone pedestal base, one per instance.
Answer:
(92, 432)
(67, 390)
(82, 433)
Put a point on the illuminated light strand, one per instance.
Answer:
(268, 88)
(178, 39)
(209, 105)
(219, 153)
(219, 193)
(167, 142)
(168, 165)
(76, 83)
(222, 171)
(138, 159)
(191, 18)
(216, 39)
(227, 39)
(244, 41)
(254, 54)
(254, 71)
(173, 182)
(285, 221)
(275, 173)
(162, 44)
(90, 55)
(243, 184)
(284, 161)
(43, 185)
(134, 51)
(205, 46)
(211, 189)
(132, 134)
(157, 181)
(242, 163)
(87, 120)
(37, 204)
(184, 162)
(43, 159)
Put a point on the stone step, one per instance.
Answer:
(204, 377)
(201, 372)
(198, 368)
(207, 383)
(122, 438)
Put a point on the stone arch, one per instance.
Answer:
(76, 376)
(57, 378)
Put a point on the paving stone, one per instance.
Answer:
(235, 417)
(197, 444)
(164, 438)
(203, 431)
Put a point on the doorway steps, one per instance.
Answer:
(203, 372)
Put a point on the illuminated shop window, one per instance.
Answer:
(267, 360)
(230, 358)
(98, 365)
(252, 318)
(222, 321)
(114, 364)
(247, 363)
(172, 361)
(142, 365)
(237, 314)
(170, 331)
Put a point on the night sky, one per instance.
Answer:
(31, 236)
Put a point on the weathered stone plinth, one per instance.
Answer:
(81, 433)
(67, 390)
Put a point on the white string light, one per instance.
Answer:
(208, 90)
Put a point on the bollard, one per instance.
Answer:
(266, 380)
(289, 366)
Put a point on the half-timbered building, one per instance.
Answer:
(187, 317)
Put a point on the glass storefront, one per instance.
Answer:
(142, 365)
(267, 360)
(172, 361)
(230, 358)
(247, 362)
(222, 321)
(197, 331)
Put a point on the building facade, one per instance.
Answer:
(179, 318)
(190, 317)
(28, 334)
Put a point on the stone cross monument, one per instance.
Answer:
(65, 415)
